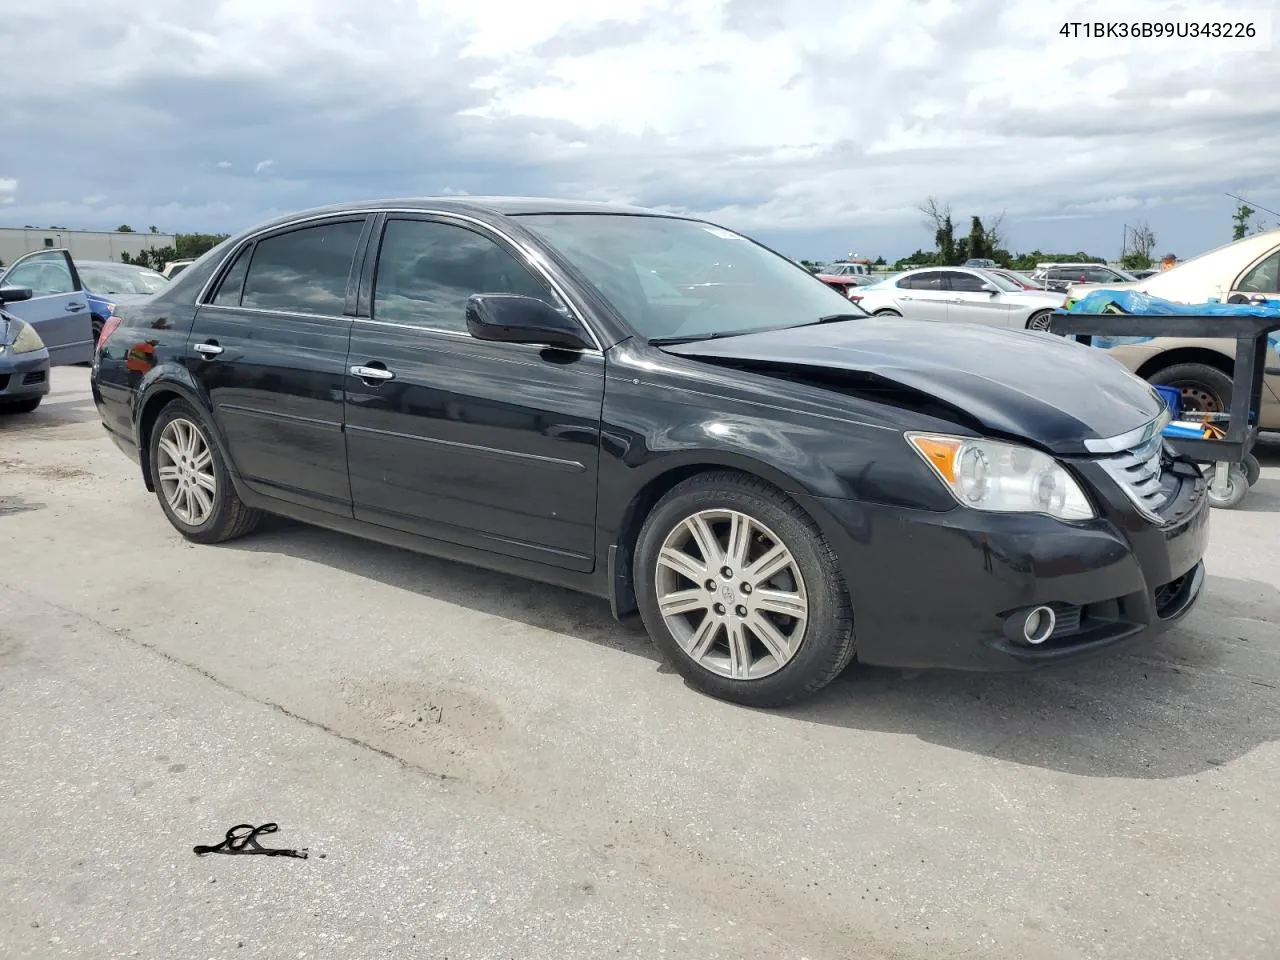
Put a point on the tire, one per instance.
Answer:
(226, 517)
(98, 324)
(1236, 489)
(821, 646)
(1039, 321)
(1252, 469)
(21, 406)
(887, 313)
(1204, 389)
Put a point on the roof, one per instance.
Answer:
(500, 206)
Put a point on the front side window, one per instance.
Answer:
(1264, 278)
(44, 275)
(303, 271)
(427, 270)
(965, 282)
(712, 281)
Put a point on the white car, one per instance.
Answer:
(959, 295)
(1240, 270)
(175, 267)
(1201, 370)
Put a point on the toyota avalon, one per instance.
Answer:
(662, 412)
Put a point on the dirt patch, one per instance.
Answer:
(457, 732)
(52, 471)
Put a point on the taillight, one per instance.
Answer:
(108, 328)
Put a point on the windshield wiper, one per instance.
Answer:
(695, 337)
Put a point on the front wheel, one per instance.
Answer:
(1039, 321)
(887, 313)
(191, 479)
(741, 592)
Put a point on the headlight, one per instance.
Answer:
(1002, 477)
(27, 340)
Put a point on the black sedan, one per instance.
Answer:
(776, 482)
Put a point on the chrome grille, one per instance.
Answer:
(1137, 471)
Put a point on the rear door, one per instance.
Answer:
(269, 350)
(58, 308)
(924, 296)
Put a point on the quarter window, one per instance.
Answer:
(922, 281)
(228, 294)
(303, 271)
(1264, 278)
(427, 270)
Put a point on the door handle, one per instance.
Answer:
(75, 307)
(367, 373)
(208, 349)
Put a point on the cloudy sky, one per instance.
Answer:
(817, 125)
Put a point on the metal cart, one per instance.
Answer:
(1228, 454)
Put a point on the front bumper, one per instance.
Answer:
(938, 589)
(23, 375)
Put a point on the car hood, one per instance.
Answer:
(1031, 386)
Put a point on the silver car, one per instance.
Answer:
(960, 295)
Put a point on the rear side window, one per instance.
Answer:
(228, 294)
(303, 271)
(923, 281)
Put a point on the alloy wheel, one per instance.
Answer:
(731, 593)
(184, 465)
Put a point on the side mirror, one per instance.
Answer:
(990, 288)
(14, 294)
(510, 318)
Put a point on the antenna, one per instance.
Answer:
(1250, 203)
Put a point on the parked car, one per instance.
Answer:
(109, 284)
(1243, 270)
(845, 284)
(980, 263)
(959, 295)
(1020, 280)
(24, 359)
(58, 307)
(754, 470)
(175, 267)
(1058, 277)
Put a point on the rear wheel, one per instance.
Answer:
(21, 406)
(1204, 389)
(741, 592)
(97, 329)
(191, 479)
(887, 313)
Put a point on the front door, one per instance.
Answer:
(488, 445)
(1262, 279)
(269, 349)
(969, 303)
(58, 308)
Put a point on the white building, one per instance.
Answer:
(83, 244)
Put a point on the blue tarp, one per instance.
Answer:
(1136, 302)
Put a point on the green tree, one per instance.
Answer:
(1240, 221)
(878, 262)
(124, 228)
(153, 228)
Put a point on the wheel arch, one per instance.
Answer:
(1168, 358)
(152, 399)
(668, 475)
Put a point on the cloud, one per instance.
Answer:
(8, 190)
(818, 126)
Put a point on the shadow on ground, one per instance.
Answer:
(1202, 695)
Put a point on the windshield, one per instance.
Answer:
(120, 278)
(685, 278)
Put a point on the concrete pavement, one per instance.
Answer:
(493, 768)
